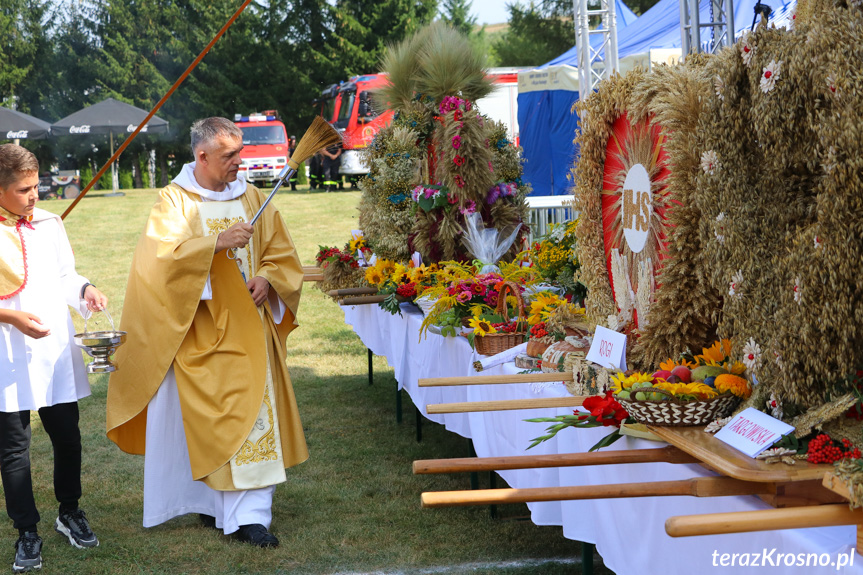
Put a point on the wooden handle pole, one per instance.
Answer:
(155, 109)
(505, 404)
(494, 379)
(352, 291)
(696, 487)
(362, 300)
(661, 455)
(766, 520)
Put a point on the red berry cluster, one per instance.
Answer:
(505, 327)
(407, 290)
(539, 330)
(823, 449)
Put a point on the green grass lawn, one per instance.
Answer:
(354, 507)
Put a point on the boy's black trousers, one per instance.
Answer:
(61, 423)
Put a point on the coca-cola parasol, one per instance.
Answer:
(110, 117)
(16, 125)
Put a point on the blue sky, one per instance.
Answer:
(490, 11)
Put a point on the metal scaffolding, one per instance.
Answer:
(697, 36)
(595, 65)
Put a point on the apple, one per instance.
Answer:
(661, 374)
(683, 373)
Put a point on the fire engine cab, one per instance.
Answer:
(265, 142)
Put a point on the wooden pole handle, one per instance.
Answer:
(766, 520)
(352, 291)
(495, 379)
(695, 487)
(505, 405)
(362, 300)
(660, 455)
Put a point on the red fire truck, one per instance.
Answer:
(349, 108)
(266, 146)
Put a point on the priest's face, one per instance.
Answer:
(21, 195)
(220, 159)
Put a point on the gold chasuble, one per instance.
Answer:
(239, 412)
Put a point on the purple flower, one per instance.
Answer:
(493, 195)
(416, 193)
(429, 192)
(456, 142)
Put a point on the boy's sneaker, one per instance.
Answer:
(28, 553)
(74, 525)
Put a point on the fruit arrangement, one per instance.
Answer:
(708, 375)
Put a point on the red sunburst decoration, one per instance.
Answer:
(634, 215)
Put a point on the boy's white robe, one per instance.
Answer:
(36, 373)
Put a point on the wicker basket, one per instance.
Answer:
(495, 343)
(678, 414)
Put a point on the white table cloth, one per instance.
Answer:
(628, 533)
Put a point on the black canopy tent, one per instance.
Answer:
(108, 117)
(17, 126)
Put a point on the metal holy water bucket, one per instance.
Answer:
(100, 345)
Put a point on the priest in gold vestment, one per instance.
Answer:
(202, 388)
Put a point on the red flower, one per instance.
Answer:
(457, 115)
(606, 410)
(458, 160)
(459, 181)
(478, 289)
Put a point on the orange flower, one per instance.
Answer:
(732, 383)
(670, 364)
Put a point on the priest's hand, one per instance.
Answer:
(237, 236)
(96, 300)
(25, 322)
(259, 288)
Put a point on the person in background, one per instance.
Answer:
(292, 145)
(40, 370)
(332, 161)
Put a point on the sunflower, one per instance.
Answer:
(399, 274)
(386, 267)
(481, 326)
(694, 390)
(357, 244)
(621, 381)
(374, 276)
(542, 305)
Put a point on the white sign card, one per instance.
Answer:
(608, 349)
(752, 431)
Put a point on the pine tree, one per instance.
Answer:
(456, 13)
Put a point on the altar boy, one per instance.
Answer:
(40, 369)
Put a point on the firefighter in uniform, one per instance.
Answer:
(292, 145)
(332, 161)
(316, 172)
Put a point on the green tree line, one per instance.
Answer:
(58, 57)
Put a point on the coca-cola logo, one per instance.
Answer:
(85, 129)
(133, 127)
(11, 135)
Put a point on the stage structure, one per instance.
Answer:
(718, 32)
(595, 64)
